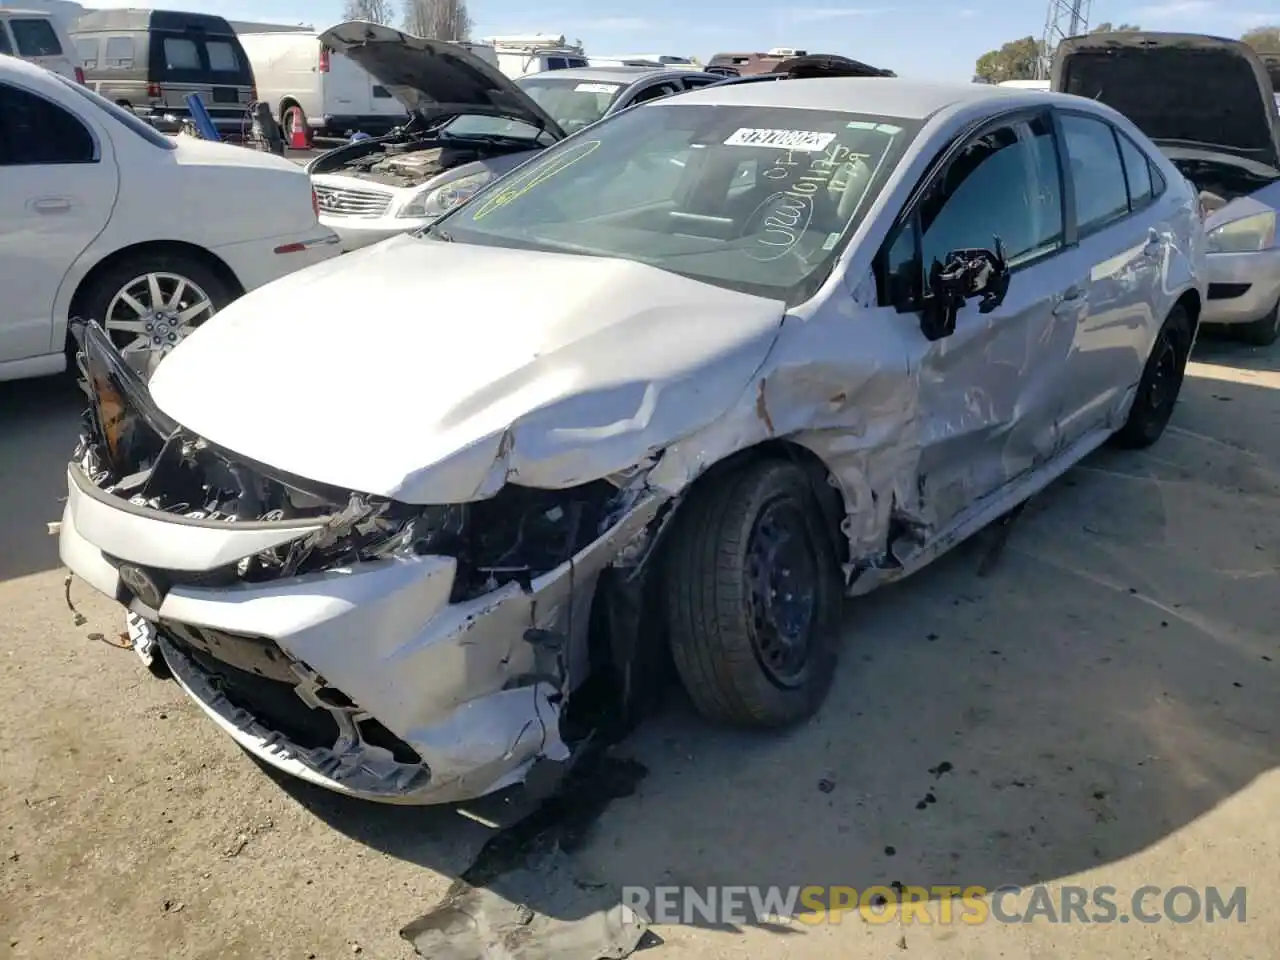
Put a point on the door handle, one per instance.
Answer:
(51, 205)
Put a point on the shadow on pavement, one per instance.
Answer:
(38, 427)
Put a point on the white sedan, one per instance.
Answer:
(104, 218)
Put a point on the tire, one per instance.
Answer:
(724, 642)
(287, 111)
(1260, 333)
(201, 283)
(1160, 385)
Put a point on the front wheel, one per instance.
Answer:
(753, 598)
(1160, 384)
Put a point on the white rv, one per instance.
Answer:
(536, 52)
(307, 84)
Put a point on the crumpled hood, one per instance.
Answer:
(1177, 87)
(435, 78)
(434, 372)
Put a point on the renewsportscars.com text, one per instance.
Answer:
(747, 905)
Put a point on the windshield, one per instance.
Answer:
(121, 115)
(573, 104)
(755, 199)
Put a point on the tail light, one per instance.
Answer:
(80, 75)
(324, 59)
(315, 203)
(153, 90)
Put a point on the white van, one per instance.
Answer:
(519, 56)
(40, 38)
(307, 84)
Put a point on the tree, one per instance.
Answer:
(1106, 27)
(1016, 60)
(374, 11)
(1264, 39)
(438, 19)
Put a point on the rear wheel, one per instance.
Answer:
(753, 597)
(1160, 384)
(1263, 332)
(292, 118)
(149, 303)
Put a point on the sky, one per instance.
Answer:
(927, 39)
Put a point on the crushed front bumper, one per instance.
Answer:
(366, 680)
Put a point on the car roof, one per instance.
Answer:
(617, 74)
(882, 96)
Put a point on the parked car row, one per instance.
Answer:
(676, 383)
(101, 216)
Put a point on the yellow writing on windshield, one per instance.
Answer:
(539, 175)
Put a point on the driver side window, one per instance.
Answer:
(1004, 184)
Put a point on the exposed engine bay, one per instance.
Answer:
(1220, 182)
(132, 450)
(409, 159)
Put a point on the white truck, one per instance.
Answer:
(310, 86)
(521, 55)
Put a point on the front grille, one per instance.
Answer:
(350, 202)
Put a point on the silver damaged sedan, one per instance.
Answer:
(410, 523)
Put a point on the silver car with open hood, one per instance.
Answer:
(374, 189)
(672, 389)
(1209, 104)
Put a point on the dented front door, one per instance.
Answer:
(991, 394)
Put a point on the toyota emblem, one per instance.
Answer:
(142, 585)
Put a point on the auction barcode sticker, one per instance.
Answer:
(804, 140)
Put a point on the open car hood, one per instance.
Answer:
(1177, 88)
(435, 78)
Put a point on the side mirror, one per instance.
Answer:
(967, 273)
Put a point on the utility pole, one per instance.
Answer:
(1064, 18)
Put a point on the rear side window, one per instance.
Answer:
(181, 54)
(222, 57)
(119, 53)
(35, 37)
(87, 52)
(556, 63)
(5, 47)
(36, 131)
(1137, 171)
(1102, 193)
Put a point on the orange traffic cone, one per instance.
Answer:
(299, 138)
